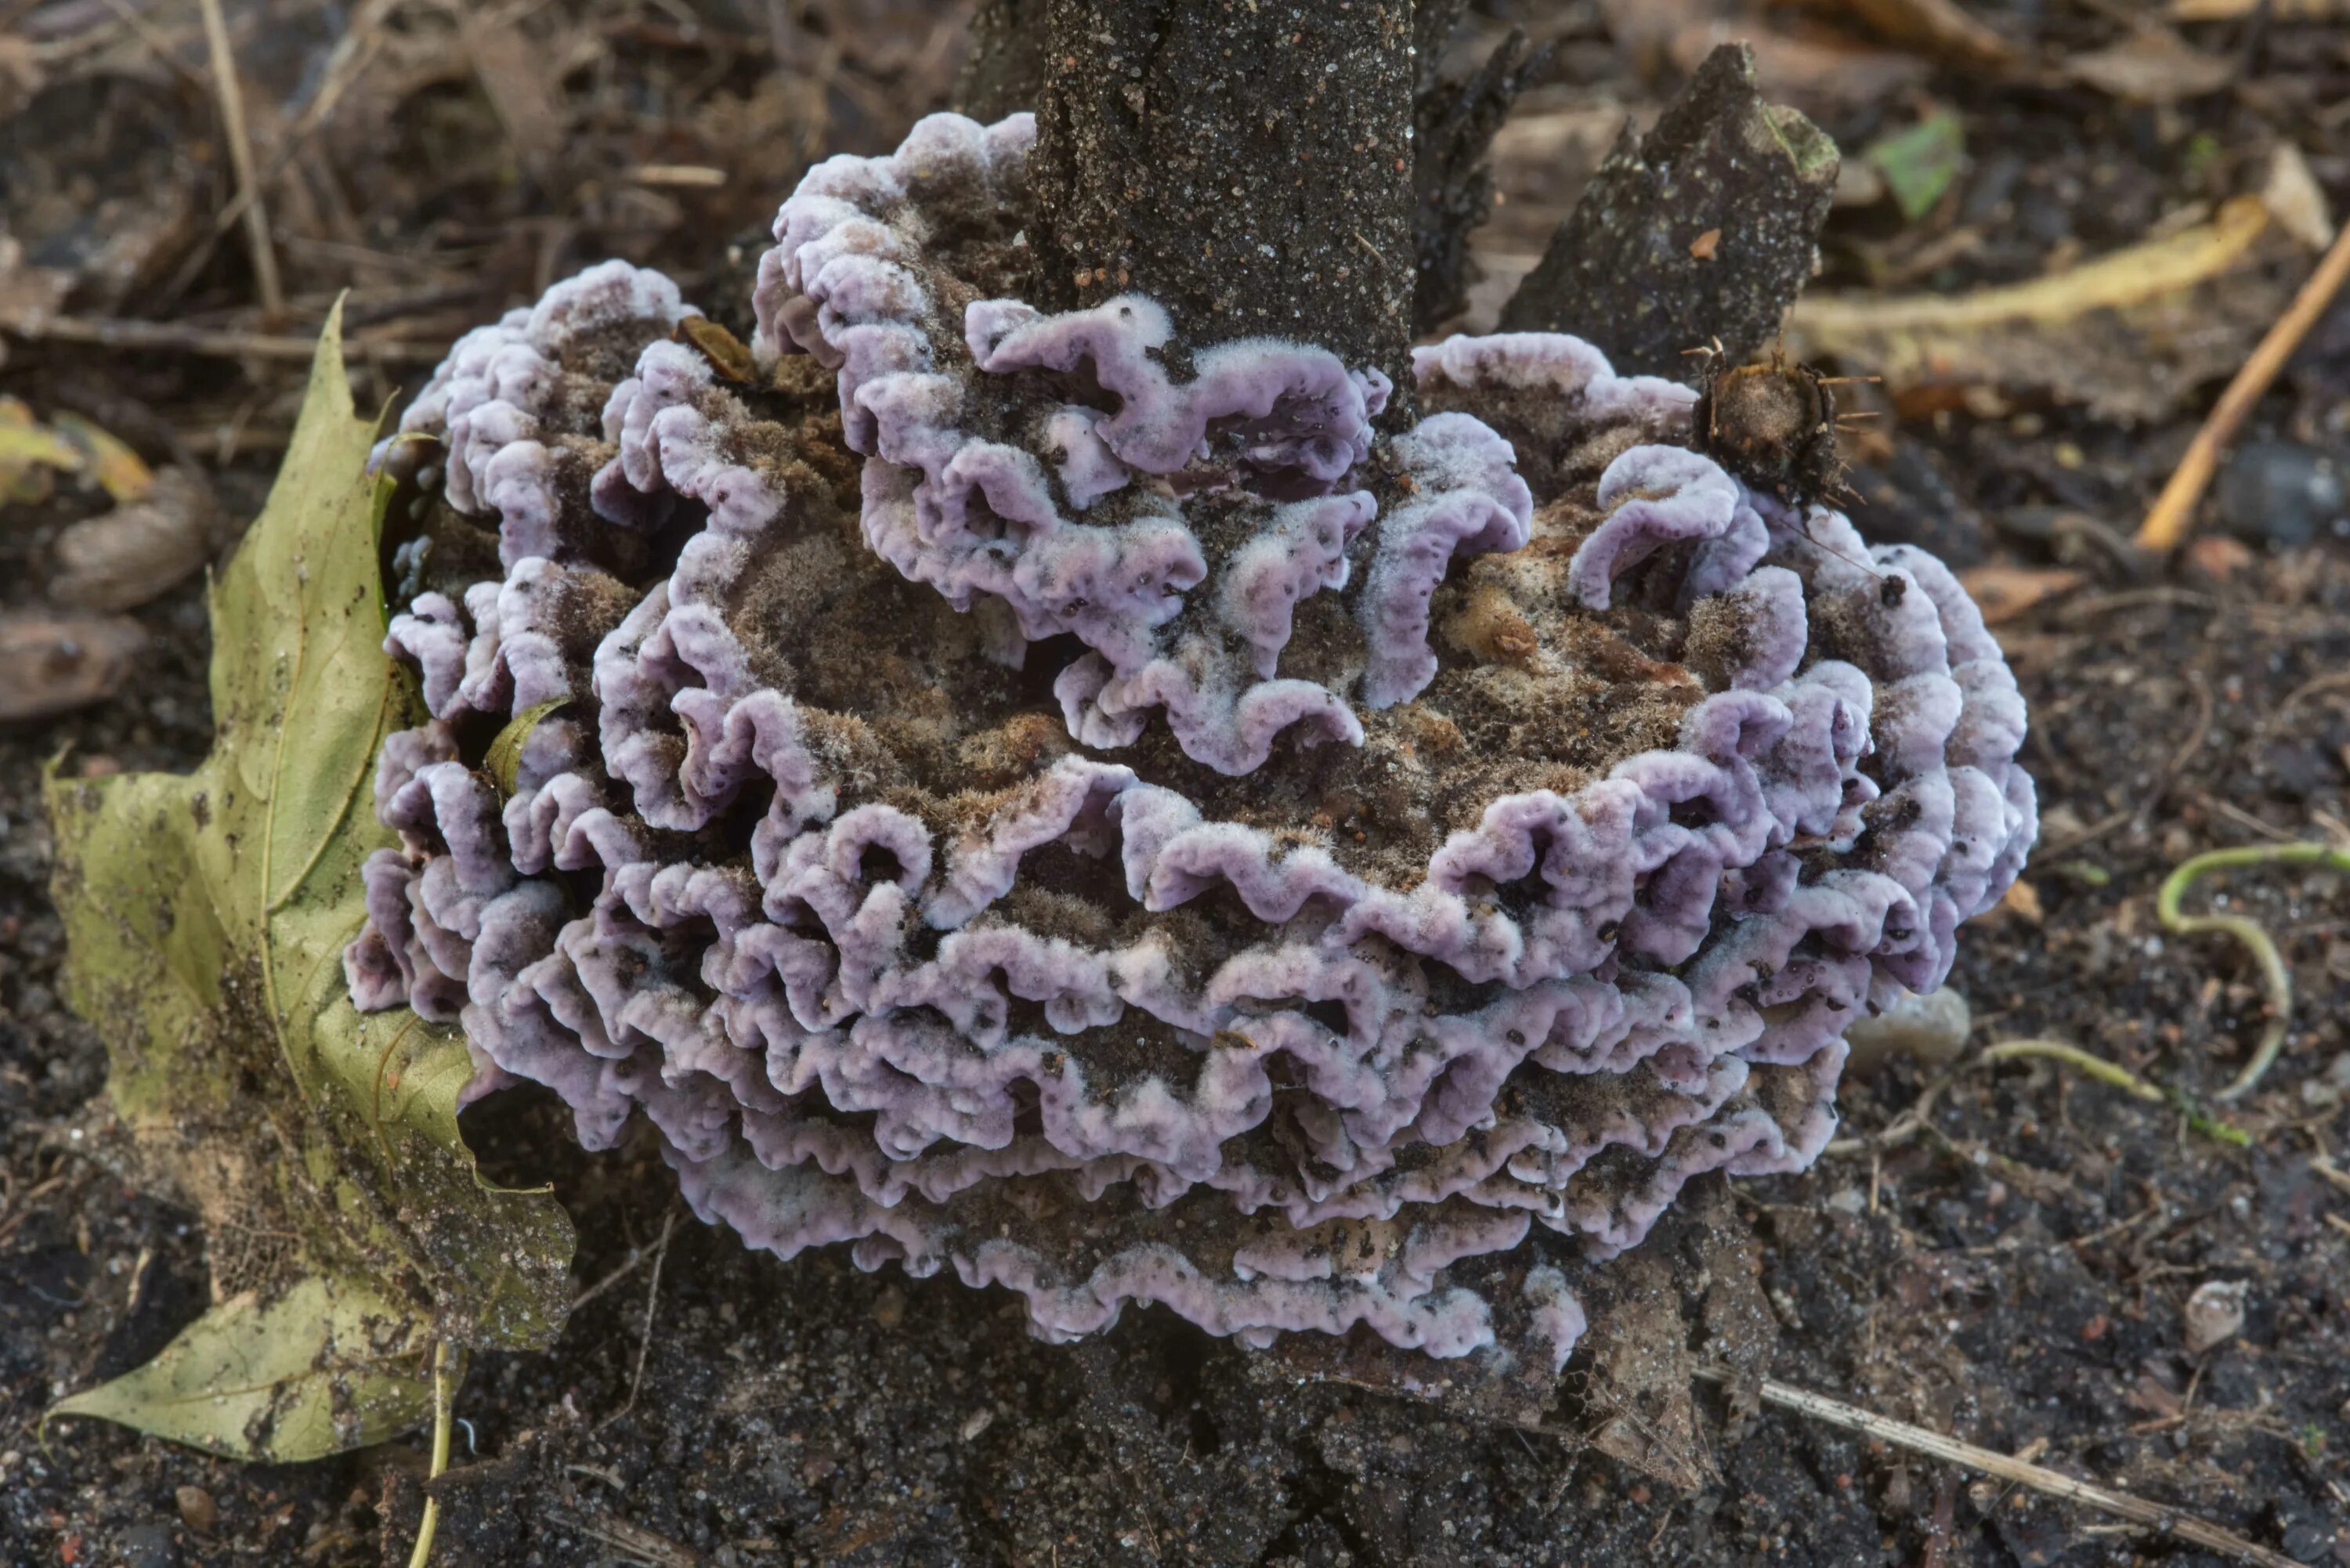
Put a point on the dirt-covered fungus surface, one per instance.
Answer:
(2015, 1271)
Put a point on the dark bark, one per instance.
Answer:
(1705, 228)
(1247, 165)
(1004, 72)
(1452, 183)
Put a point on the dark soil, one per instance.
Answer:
(2013, 1276)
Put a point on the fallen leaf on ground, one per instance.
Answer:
(1638, 1403)
(2130, 333)
(31, 456)
(2218, 559)
(2005, 592)
(2152, 65)
(1940, 28)
(121, 473)
(52, 664)
(519, 76)
(2295, 199)
(127, 557)
(277, 1364)
(1817, 70)
(206, 916)
(1919, 164)
(1806, 72)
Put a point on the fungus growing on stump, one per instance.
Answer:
(1133, 809)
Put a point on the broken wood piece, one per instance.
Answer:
(1626, 269)
(1454, 125)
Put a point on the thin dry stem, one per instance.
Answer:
(170, 336)
(1918, 1440)
(653, 1299)
(240, 152)
(2174, 510)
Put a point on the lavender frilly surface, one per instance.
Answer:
(1083, 981)
(1056, 464)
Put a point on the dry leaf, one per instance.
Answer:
(2218, 558)
(2005, 592)
(2296, 199)
(140, 550)
(1637, 1402)
(1940, 28)
(206, 916)
(52, 664)
(120, 471)
(516, 74)
(1806, 72)
(31, 456)
(1817, 70)
(2130, 333)
(264, 1376)
(2152, 65)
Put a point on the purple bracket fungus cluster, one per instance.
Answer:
(1142, 822)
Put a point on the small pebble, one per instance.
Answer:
(2309, 1543)
(2280, 493)
(2328, 1087)
(2214, 1314)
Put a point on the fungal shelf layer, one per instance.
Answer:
(1028, 794)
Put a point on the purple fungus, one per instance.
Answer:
(1132, 831)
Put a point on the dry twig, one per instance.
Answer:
(352, 54)
(240, 152)
(2330, 1172)
(1902, 1129)
(2174, 509)
(173, 337)
(1918, 1440)
(653, 1299)
(640, 1544)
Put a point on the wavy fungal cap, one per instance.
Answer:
(1098, 815)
